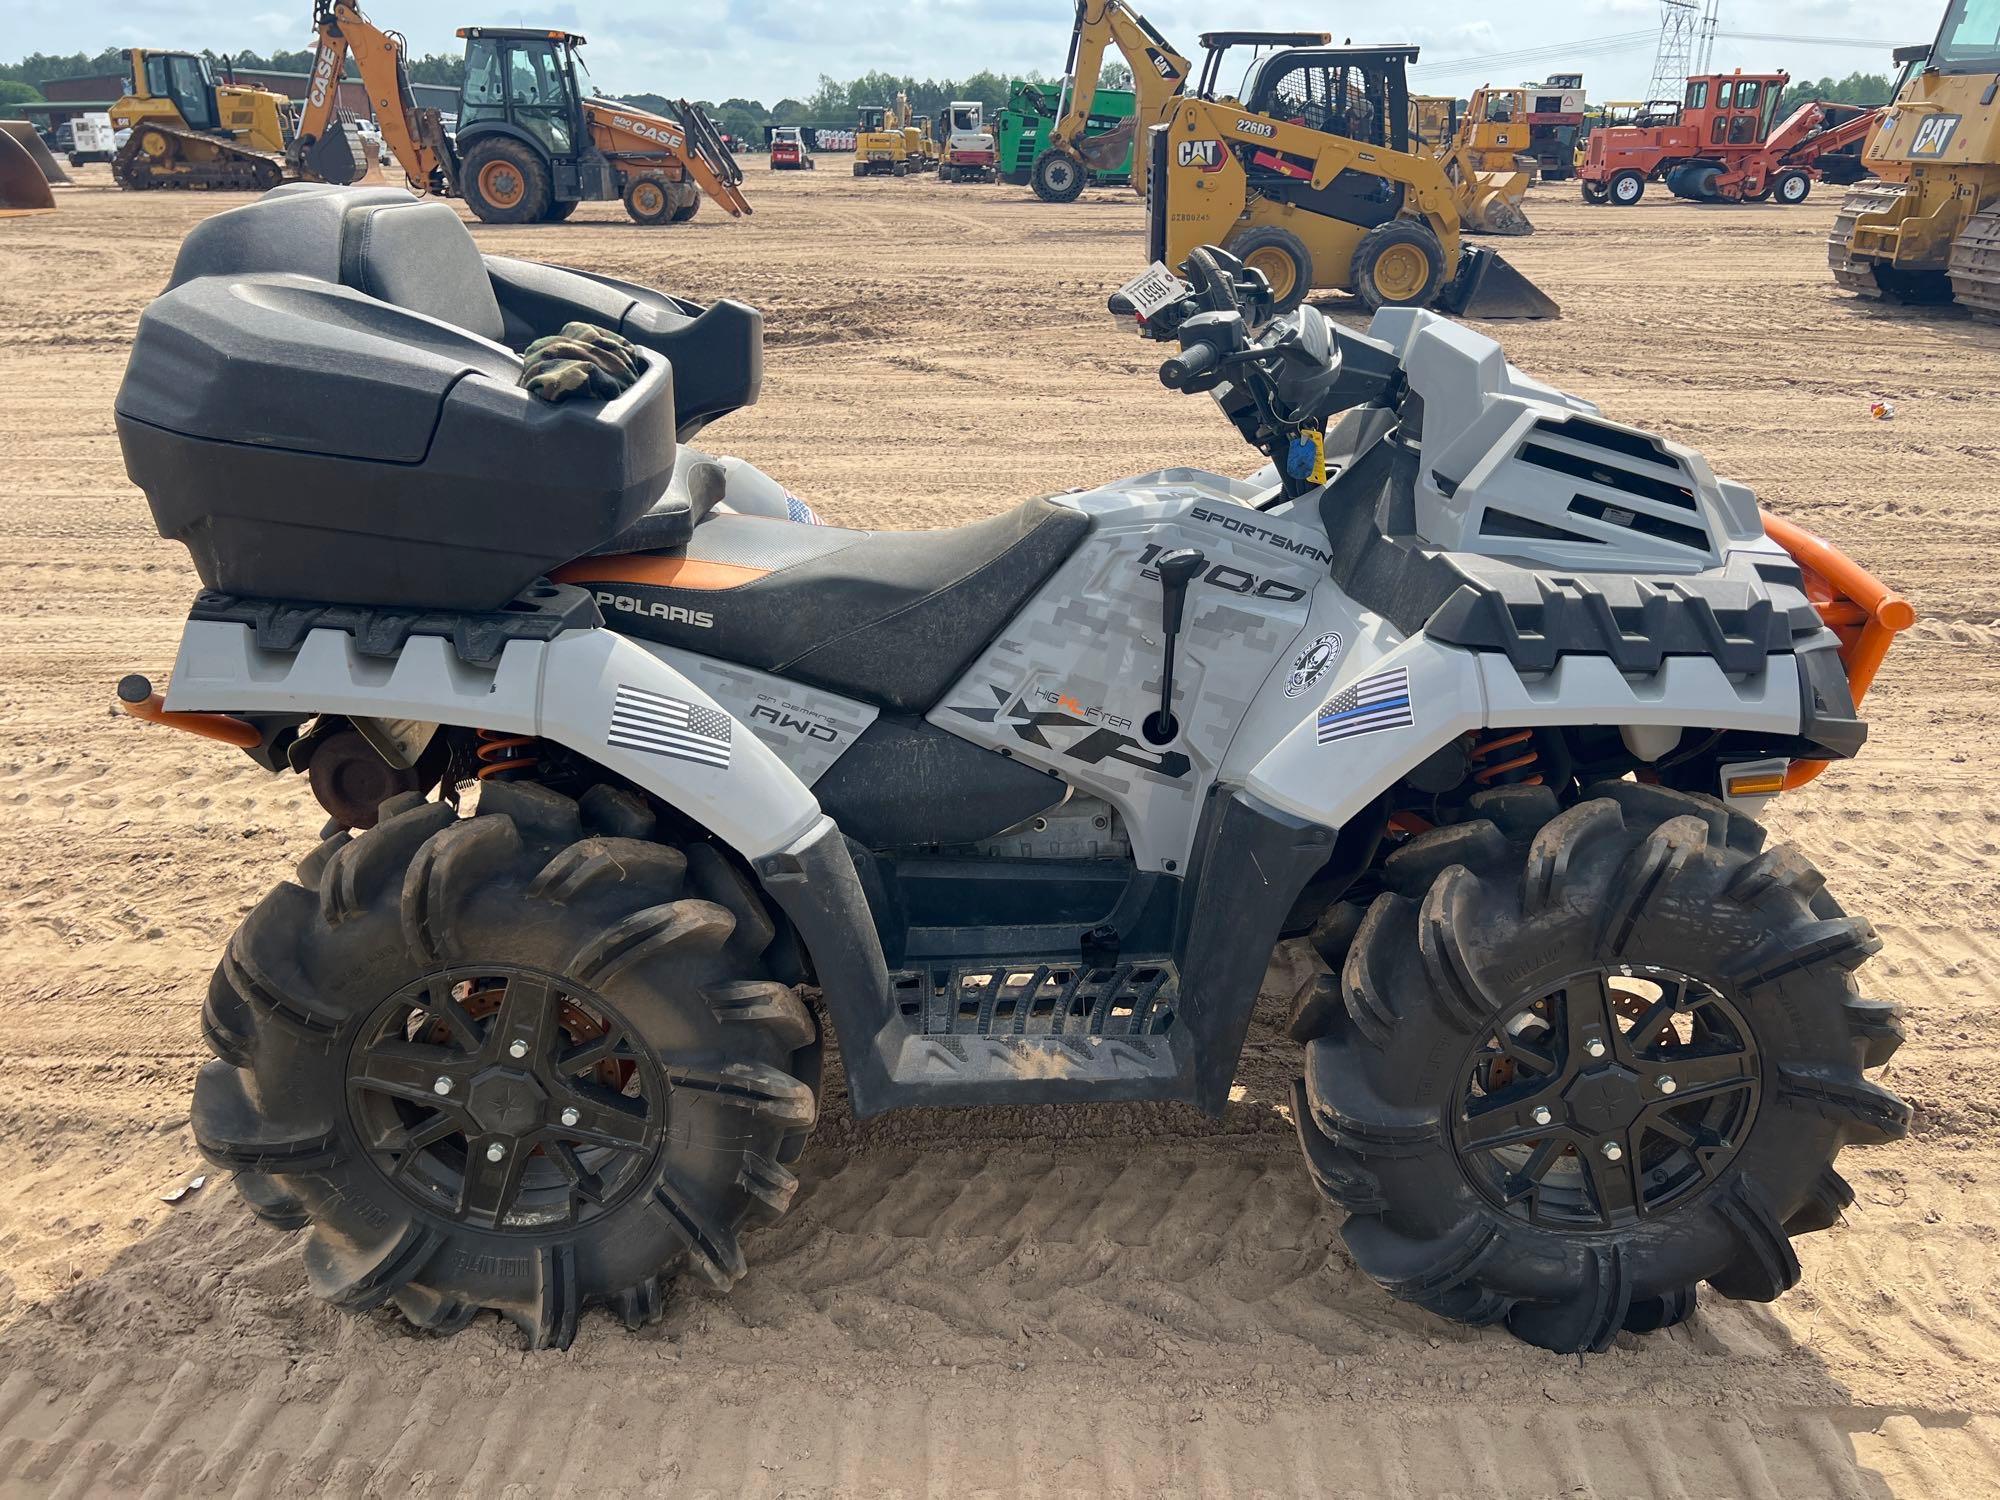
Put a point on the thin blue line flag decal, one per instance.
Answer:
(1378, 702)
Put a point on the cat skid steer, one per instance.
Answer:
(1315, 182)
(636, 777)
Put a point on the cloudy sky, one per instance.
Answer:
(767, 49)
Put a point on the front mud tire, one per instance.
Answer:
(1430, 1045)
(646, 1080)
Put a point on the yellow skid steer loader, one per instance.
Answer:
(1314, 181)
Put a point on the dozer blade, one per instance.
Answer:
(1496, 204)
(23, 188)
(1487, 287)
(47, 165)
(342, 157)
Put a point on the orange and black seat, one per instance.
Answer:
(889, 617)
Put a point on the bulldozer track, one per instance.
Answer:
(235, 167)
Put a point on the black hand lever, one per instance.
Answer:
(1177, 570)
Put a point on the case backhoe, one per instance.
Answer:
(1315, 182)
(530, 146)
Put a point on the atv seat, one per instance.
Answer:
(889, 617)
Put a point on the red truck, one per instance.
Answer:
(1720, 145)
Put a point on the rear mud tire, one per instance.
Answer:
(1482, 917)
(507, 182)
(649, 951)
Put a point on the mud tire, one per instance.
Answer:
(668, 941)
(1481, 914)
(1401, 242)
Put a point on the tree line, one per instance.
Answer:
(1855, 88)
(831, 102)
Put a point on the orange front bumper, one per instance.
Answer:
(1853, 603)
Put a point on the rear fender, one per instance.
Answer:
(564, 690)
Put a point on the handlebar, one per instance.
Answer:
(1176, 373)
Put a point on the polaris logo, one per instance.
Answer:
(655, 609)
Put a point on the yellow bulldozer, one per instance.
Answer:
(1928, 229)
(1314, 181)
(191, 130)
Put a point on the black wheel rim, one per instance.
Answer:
(506, 1098)
(1606, 1098)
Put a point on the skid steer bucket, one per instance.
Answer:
(47, 165)
(23, 188)
(1487, 287)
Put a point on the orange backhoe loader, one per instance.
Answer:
(530, 145)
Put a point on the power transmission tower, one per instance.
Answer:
(1687, 43)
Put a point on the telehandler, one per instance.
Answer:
(1315, 182)
(1929, 230)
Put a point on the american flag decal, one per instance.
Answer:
(1378, 702)
(660, 725)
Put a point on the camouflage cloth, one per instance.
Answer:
(582, 360)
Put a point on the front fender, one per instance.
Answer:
(1330, 773)
(564, 690)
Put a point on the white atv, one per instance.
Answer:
(637, 778)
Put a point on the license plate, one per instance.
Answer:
(1154, 288)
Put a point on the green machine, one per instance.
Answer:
(1025, 122)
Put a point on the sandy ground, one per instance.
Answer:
(1079, 1302)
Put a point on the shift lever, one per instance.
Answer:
(1177, 570)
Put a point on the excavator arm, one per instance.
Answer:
(1158, 74)
(325, 150)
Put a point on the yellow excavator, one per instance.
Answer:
(1314, 181)
(189, 130)
(1928, 230)
(530, 145)
(879, 147)
(1159, 73)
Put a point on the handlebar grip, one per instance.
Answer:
(1188, 364)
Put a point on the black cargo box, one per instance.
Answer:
(321, 408)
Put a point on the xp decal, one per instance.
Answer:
(1312, 664)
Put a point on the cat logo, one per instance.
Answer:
(1204, 154)
(1160, 64)
(1934, 134)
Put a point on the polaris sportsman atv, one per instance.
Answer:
(625, 758)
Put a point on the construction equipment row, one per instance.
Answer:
(530, 143)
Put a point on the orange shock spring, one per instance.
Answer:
(503, 757)
(1484, 752)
